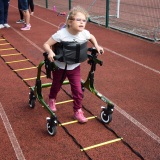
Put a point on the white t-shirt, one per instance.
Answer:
(64, 35)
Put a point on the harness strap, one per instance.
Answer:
(64, 72)
(77, 53)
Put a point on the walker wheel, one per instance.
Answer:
(106, 118)
(51, 126)
(32, 99)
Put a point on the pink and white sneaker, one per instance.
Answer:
(26, 27)
(29, 25)
(78, 115)
(52, 105)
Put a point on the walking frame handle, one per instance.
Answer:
(93, 58)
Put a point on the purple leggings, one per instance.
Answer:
(75, 82)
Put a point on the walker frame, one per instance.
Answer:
(36, 91)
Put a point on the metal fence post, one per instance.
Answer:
(70, 5)
(107, 13)
(46, 3)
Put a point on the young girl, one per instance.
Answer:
(74, 31)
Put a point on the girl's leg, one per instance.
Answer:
(56, 83)
(75, 82)
(55, 88)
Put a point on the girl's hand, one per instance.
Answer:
(50, 56)
(47, 47)
(94, 42)
(100, 49)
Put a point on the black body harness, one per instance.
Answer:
(70, 53)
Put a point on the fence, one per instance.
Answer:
(137, 17)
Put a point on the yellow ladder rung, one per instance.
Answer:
(65, 101)
(71, 122)
(21, 69)
(6, 49)
(27, 79)
(15, 54)
(17, 61)
(101, 144)
(4, 44)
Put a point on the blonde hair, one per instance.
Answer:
(74, 11)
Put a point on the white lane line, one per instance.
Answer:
(129, 59)
(38, 18)
(138, 124)
(129, 117)
(11, 135)
(28, 40)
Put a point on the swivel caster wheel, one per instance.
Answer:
(51, 126)
(106, 118)
(106, 113)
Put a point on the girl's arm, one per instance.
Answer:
(48, 48)
(94, 42)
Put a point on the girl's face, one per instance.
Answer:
(78, 23)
